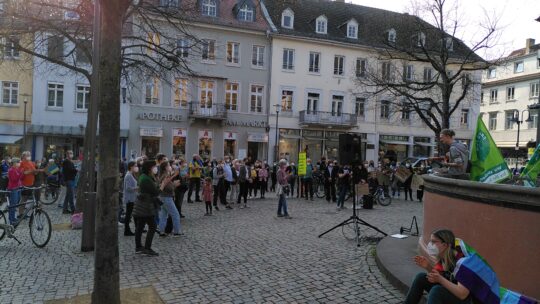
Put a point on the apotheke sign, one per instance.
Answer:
(159, 116)
(255, 124)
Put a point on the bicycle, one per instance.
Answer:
(381, 198)
(39, 223)
(49, 192)
(318, 185)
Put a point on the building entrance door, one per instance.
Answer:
(150, 147)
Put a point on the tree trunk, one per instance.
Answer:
(106, 268)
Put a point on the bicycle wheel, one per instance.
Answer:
(48, 195)
(319, 190)
(351, 230)
(384, 200)
(40, 228)
(3, 221)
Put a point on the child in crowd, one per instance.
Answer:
(207, 195)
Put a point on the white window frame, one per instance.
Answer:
(534, 89)
(408, 72)
(182, 45)
(58, 87)
(233, 53)
(12, 91)
(179, 93)
(493, 95)
(519, 67)
(321, 25)
(534, 123)
(464, 118)
(245, 13)
(492, 121)
(259, 98)
(392, 35)
(207, 46)
(337, 105)
(491, 73)
(83, 89)
(313, 103)
(360, 106)
(421, 40)
(339, 70)
(287, 109)
(287, 13)
(209, 8)
(9, 51)
(385, 109)
(209, 93)
(386, 70)
(154, 84)
(510, 93)
(428, 74)
(229, 93)
(361, 67)
(352, 29)
(257, 56)
(288, 66)
(314, 66)
(405, 113)
(508, 120)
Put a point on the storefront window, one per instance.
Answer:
(288, 144)
(150, 147)
(332, 145)
(422, 147)
(205, 144)
(312, 144)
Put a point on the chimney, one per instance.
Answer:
(342, 1)
(529, 42)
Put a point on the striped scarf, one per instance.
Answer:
(478, 277)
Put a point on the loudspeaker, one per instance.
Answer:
(350, 149)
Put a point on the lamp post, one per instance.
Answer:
(276, 149)
(516, 119)
(24, 124)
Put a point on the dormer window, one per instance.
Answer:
(421, 40)
(245, 13)
(209, 8)
(449, 43)
(392, 36)
(321, 25)
(287, 19)
(352, 29)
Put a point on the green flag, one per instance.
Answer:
(487, 163)
(530, 173)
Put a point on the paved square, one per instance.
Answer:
(235, 256)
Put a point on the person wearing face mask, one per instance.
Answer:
(145, 208)
(130, 189)
(29, 170)
(195, 172)
(330, 178)
(408, 182)
(15, 176)
(166, 194)
(308, 181)
(439, 281)
(293, 175)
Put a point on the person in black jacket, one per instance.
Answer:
(330, 179)
(69, 172)
(359, 177)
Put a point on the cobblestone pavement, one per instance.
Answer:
(235, 256)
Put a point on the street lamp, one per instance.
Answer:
(516, 119)
(24, 124)
(276, 149)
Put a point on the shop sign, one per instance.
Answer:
(179, 133)
(205, 134)
(258, 137)
(251, 123)
(230, 135)
(302, 163)
(151, 132)
(159, 116)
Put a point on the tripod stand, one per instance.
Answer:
(355, 221)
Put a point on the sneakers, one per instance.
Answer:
(139, 250)
(242, 207)
(206, 214)
(177, 234)
(162, 235)
(150, 252)
(216, 207)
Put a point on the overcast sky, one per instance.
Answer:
(516, 19)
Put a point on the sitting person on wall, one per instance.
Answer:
(439, 281)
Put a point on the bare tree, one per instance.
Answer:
(132, 40)
(451, 68)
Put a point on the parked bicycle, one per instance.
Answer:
(39, 224)
(318, 184)
(383, 199)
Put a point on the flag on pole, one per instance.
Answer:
(487, 163)
(530, 173)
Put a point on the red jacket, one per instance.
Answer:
(15, 177)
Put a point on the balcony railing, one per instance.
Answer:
(347, 120)
(207, 110)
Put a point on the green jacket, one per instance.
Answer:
(145, 206)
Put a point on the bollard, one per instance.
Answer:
(89, 222)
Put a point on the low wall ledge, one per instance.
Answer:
(508, 196)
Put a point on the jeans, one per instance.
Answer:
(343, 189)
(234, 192)
(14, 197)
(330, 191)
(139, 226)
(263, 185)
(169, 208)
(436, 293)
(194, 182)
(308, 187)
(282, 206)
(70, 186)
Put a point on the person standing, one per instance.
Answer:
(359, 177)
(130, 189)
(195, 170)
(229, 177)
(166, 194)
(243, 181)
(344, 182)
(15, 176)
(292, 170)
(308, 181)
(330, 178)
(233, 186)
(29, 171)
(263, 179)
(70, 172)
(283, 184)
(273, 177)
(144, 211)
(180, 191)
(207, 195)
(458, 155)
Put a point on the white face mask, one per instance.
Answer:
(28, 158)
(432, 250)
(154, 170)
(136, 169)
